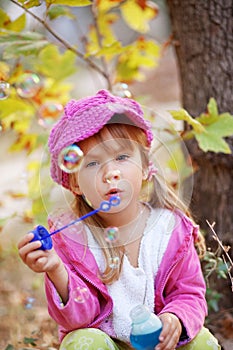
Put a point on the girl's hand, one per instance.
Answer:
(171, 332)
(37, 259)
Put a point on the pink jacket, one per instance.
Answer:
(179, 284)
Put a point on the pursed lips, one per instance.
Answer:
(113, 192)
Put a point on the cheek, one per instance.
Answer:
(89, 182)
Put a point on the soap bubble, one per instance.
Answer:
(114, 262)
(28, 85)
(70, 158)
(28, 303)
(111, 234)
(80, 295)
(49, 112)
(121, 90)
(4, 90)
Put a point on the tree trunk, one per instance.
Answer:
(203, 39)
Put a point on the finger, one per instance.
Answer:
(25, 239)
(169, 340)
(34, 255)
(29, 248)
(40, 264)
(169, 344)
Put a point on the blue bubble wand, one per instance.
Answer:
(43, 235)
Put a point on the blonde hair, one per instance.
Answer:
(161, 195)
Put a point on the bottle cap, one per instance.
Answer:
(139, 313)
(41, 234)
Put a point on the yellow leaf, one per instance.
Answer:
(105, 38)
(93, 45)
(136, 16)
(25, 142)
(4, 71)
(110, 51)
(56, 91)
(12, 105)
(104, 23)
(106, 5)
(76, 3)
(54, 64)
(141, 53)
(17, 25)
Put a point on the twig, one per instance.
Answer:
(225, 251)
(62, 41)
(99, 38)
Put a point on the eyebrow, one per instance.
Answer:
(116, 148)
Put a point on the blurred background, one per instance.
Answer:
(154, 78)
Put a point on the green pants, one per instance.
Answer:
(95, 339)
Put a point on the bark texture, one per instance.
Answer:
(203, 39)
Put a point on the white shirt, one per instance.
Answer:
(136, 284)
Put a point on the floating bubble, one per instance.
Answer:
(4, 90)
(49, 112)
(70, 158)
(80, 295)
(114, 262)
(28, 85)
(121, 90)
(29, 302)
(111, 234)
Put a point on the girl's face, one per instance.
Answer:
(110, 167)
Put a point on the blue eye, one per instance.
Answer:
(122, 157)
(91, 164)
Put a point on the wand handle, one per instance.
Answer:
(42, 234)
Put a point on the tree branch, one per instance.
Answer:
(63, 42)
(225, 251)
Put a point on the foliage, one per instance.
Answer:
(36, 71)
(209, 128)
(36, 68)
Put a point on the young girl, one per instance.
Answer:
(93, 280)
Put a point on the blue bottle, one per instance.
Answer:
(145, 328)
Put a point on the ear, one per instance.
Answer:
(76, 190)
(74, 185)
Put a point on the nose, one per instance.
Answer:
(112, 175)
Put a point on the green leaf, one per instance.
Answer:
(211, 142)
(55, 65)
(212, 107)
(10, 347)
(25, 43)
(30, 341)
(211, 116)
(58, 11)
(223, 126)
(28, 49)
(11, 36)
(212, 139)
(76, 3)
(182, 114)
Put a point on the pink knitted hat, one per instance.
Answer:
(84, 118)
